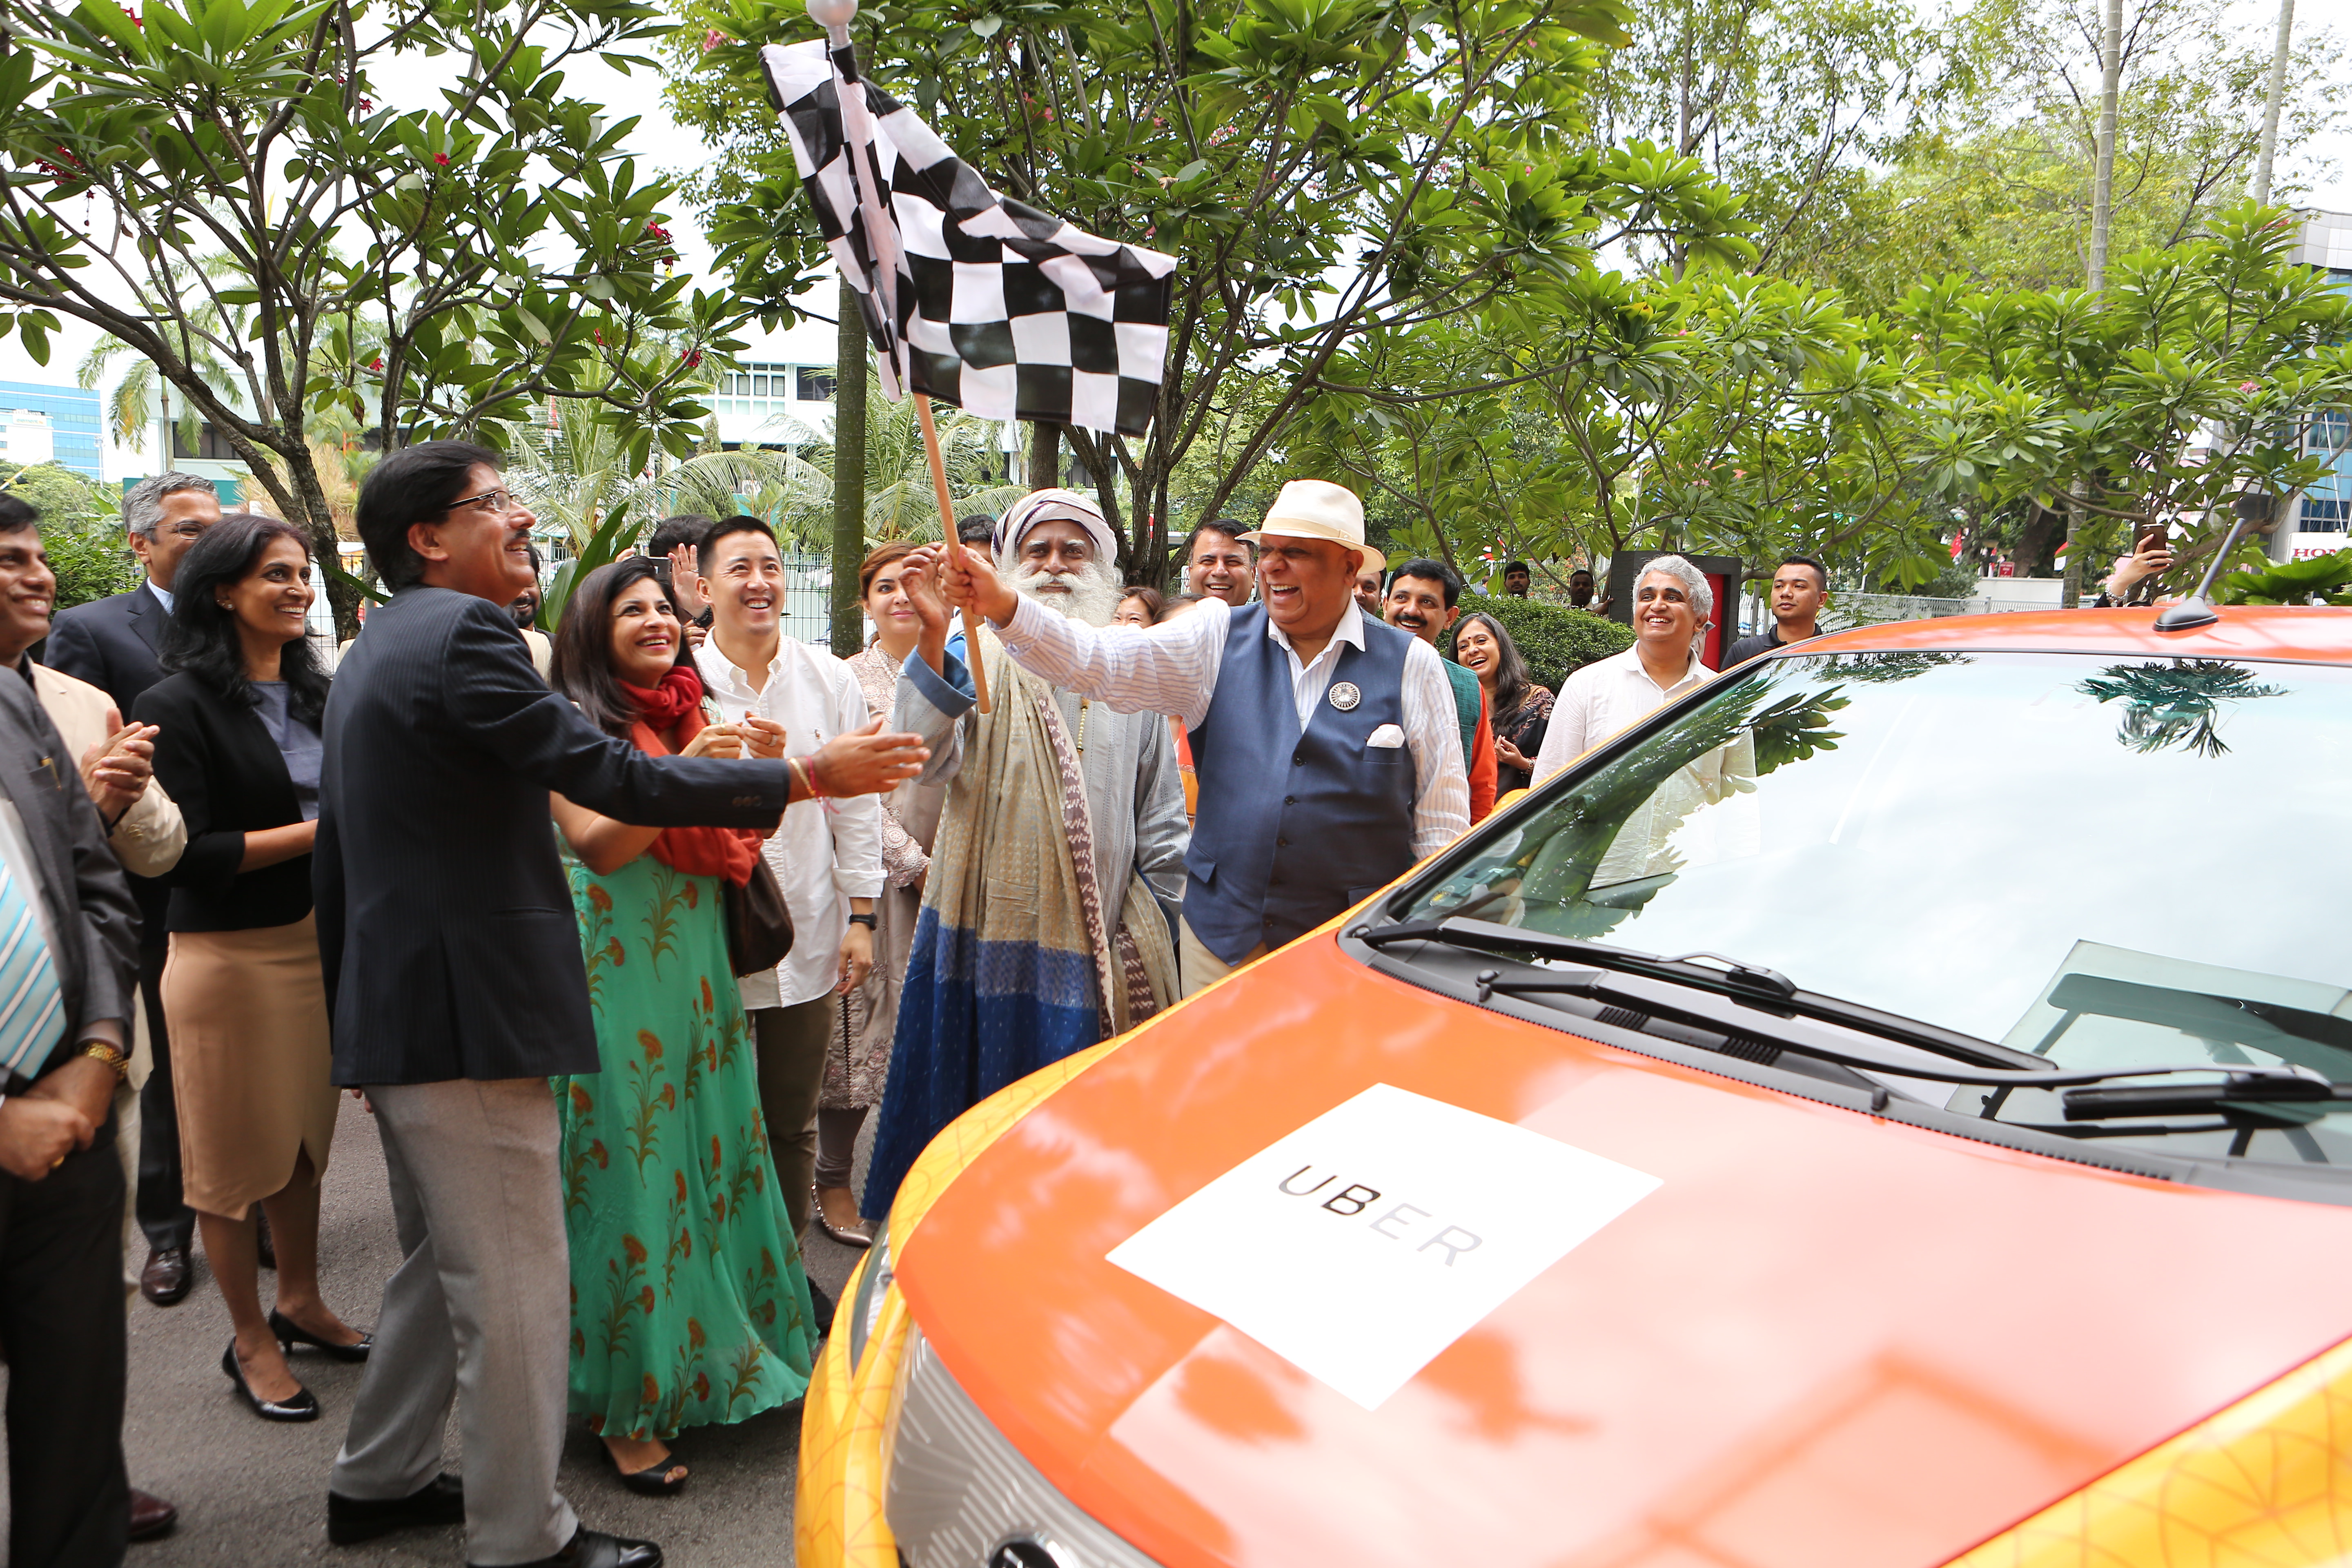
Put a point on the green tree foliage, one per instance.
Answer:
(214, 184)
(1327, 170)
(1555, 642)
(81, 530)
(2192, 375)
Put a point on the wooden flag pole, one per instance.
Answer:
(948, 532)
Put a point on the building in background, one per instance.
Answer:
(42, 424)
(2322, 512)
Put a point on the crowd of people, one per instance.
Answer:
(623, 936)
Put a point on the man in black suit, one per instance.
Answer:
(67, 1031)
(113, 643)
(454, 979)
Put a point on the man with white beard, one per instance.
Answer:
(1063, 834)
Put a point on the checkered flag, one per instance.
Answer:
(970, 299)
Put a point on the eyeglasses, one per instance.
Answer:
(497, 503)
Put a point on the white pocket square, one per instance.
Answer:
(1388, 738)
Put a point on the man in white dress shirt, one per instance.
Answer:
(1672, 604)
(1325, 744)
(826, 855)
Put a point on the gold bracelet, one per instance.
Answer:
(792, 766)
(100, 1051)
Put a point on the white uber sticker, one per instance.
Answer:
(1360, 1246)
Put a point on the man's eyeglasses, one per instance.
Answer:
(497, 503)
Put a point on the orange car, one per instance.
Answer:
(1887, 1109)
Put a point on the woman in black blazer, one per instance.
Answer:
(243, 995)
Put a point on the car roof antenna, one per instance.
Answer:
(2252, 507)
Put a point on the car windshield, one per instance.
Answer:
(2105, 862)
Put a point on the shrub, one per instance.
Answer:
(1554, 641)
(90, 564)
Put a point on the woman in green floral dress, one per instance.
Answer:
(689, 1306)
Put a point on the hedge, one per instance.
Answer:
(1554, 641)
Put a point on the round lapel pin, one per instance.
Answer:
(1344, 696)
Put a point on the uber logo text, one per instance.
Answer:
(1355, 1198)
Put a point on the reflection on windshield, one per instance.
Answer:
(1951, 838)
(2109, 1006)
(2181, 704)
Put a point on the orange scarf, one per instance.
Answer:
(728, 852)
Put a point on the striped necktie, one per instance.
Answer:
(30, 1004)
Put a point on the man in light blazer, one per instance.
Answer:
(114, 644)
(116, 766)
(71, 939)
(456, 983)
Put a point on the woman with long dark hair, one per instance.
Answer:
(688, 1304)
(1521, 709)
(238, 749)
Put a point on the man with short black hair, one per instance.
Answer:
(1580, 591)
(1799, 587)
(1218, 562)
(826, 855)
(1516, 578)
(114, 644)
(978, 529)
(1423, 599)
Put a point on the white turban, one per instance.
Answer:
(1052, 506)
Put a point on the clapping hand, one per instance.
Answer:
(115, 772)
(867, 762)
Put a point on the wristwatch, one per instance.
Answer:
(868, 921)
(108, 1056)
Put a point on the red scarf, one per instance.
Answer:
(674, 708)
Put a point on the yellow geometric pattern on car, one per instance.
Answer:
(837, 1510)
(2265, 1483)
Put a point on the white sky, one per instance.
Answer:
(659, 144)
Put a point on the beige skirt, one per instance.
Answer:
(251, 1061)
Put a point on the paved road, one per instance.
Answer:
(252, 1494)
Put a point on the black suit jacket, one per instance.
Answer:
(444, 923)
(215, 759)
(97, 950)
(114, 644)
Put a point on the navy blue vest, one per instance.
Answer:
(1295, 828)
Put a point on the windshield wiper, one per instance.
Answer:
(1765, 989)
(1988, 1063)
(2247, 1090)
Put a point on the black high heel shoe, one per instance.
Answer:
(289, 1335)
(303, 1406)
(655, 1480)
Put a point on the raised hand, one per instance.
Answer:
(867, 762)
(971, 583)
(685, 579)
(920, 576)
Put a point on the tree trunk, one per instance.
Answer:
(1044, 456)
(2272, 99)
(2103, 175)
(848, 475)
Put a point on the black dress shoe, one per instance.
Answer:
(350, 1520)
(167, 1276)
(290, 1334)
(151, 1516)
(595, 1549)
(303, 1406)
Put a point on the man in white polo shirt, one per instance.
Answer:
(1672, 604)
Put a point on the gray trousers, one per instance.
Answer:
(792, 1043)
(480, 1310)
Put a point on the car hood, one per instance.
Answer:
(1824, 1340)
